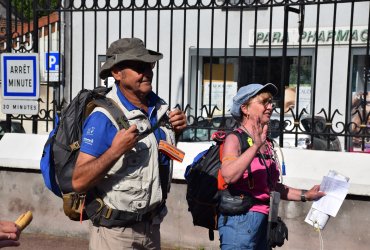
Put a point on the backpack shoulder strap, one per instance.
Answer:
(244, 139)
(244, 145)
(114, 110)
(220, 136)
(163, 121)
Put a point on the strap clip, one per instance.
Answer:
(108, 214)
(139, 217)
(101, 204)
(74, 146)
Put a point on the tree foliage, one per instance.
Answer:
(25, 9)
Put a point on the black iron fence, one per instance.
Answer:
(316, 52)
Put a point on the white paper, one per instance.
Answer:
(336, 188)
(336, 191)
(338, 176)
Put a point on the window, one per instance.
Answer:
(240, 71)
(257, 70)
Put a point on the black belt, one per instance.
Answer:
(102, 215)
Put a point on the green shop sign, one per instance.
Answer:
(325, 36)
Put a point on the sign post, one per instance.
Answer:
(20, 83)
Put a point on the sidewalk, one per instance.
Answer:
(48, 242)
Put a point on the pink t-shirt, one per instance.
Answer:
(261, 188)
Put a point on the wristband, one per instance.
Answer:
(303, 195)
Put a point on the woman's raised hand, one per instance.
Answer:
(259, 132)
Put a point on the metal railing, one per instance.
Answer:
(319, 50)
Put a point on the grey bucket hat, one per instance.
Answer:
(247, 92)
(127, 49)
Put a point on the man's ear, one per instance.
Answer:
(116, 73)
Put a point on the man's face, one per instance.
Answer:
(135, 76)
(290, 96)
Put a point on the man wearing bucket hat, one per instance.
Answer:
(123, 168)
(251, 171)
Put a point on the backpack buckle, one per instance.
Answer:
(139, 217)
(219, 136)
(101, 204)
(108, 214)
(75, 145)
(123, 122)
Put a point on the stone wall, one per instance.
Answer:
(24, 190)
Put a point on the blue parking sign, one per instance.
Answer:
(52, 61)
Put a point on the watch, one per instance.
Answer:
(303, 195)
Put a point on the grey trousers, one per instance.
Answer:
(143, 235)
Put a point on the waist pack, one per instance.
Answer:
(73, 206)
(278, 233)
(232, 203)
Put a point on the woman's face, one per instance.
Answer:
(259, 107)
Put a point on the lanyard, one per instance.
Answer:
(260, 156)
(269, 182)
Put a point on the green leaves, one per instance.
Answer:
(26, 9)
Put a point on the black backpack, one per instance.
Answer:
(202, 177)
(63, 146)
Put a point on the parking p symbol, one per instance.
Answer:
(51, 61)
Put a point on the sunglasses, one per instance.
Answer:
(139, 67)
(266, 102)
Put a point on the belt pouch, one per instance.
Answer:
(73, 206)
(234, 204)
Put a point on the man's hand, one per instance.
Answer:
(177, 120)
(9, 234)
(125, 140)
(89, 170)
